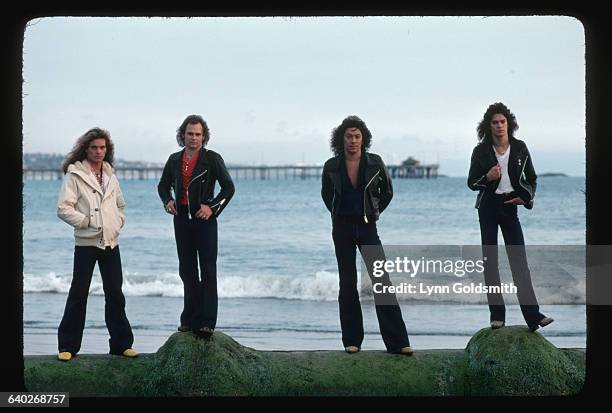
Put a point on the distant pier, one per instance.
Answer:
(419, 171)
(242, 172)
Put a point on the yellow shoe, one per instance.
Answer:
(64, 356)
(129, 353)
(407, 351)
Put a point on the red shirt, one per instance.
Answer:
(187, 167)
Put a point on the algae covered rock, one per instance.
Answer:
(516, 361)
(368, 373)
(507, 361)
(88, 374)
(189, 366)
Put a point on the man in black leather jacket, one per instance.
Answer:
(356, 188)
(190, 176)
(502, 171)
(520, 171)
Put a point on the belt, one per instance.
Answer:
(507, 195)
(349, 219)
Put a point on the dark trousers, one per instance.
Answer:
(197, 238)
(493, 213)
(348, 234)
(70, 332)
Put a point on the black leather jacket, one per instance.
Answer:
(378, 190)
(520, 170)
(201, 188)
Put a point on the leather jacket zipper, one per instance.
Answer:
(521, 177)
(365, 218)
(333, 199)
(188, 185)
(219, 204)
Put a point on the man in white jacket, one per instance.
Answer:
(91, 202)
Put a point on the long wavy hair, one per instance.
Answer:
(78, 152)
(192, 120)
(484, 127)
(337, 137)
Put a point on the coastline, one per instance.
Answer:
(270, 324)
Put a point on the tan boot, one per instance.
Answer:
(407, 351)
(351, 349)
(64, 356)
(129, 353)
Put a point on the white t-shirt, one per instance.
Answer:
(504, 184)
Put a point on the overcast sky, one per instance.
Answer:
(272, 89)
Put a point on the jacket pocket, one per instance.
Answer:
(112, 233)
(87, 233)
(94, 218)
(114, 222)
(85, 223)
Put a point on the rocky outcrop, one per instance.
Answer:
(515, 361)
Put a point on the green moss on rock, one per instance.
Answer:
(510, 360)
(515, 361)
(88, 374)
(189, 366)
(368, 373)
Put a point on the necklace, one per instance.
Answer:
(188, 157)
(98, 176)
(501, 152)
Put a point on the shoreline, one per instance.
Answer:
(36, 345)
(282, 325)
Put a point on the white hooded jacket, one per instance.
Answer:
(97, 217)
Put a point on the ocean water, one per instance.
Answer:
(277, 273)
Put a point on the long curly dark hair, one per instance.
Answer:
(484, 127)
(192, 120)
(78, 152)
(337, 137)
